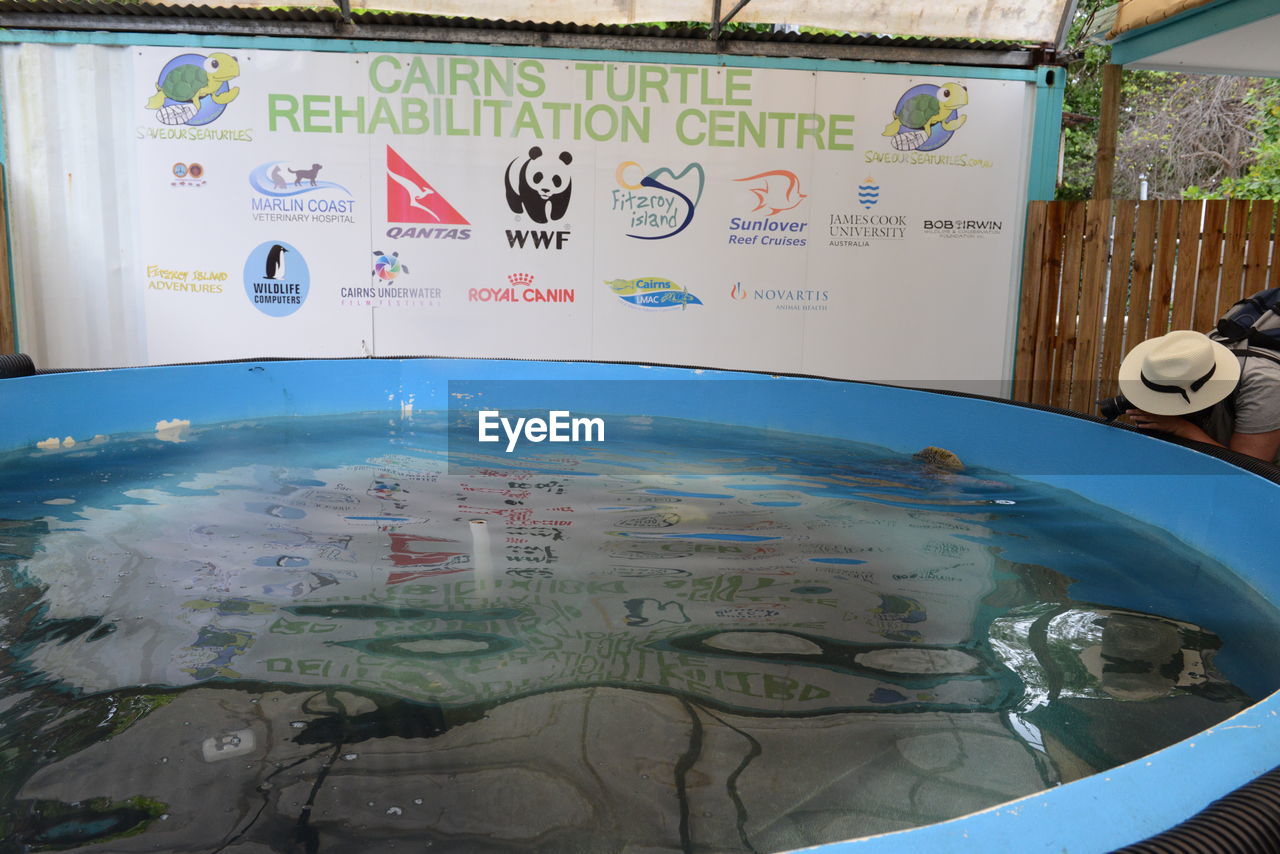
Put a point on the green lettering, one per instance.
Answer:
(526, 118)
(833, 130)
(731, 85)
(339, 114)
(386, 89)
(282, 107)
(463, 69)
(382, 115)
(589, 78)
(418, 76)
(680, 120)
(530, 72)
(721, 128)
(313, 107)
(809, 124)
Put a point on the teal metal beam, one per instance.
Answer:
(1190, 26)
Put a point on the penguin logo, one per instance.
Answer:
(275, 262)
(268, 287)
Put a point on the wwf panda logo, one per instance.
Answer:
(539, 186)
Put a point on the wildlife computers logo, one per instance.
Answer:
(295, 192)
(416, 209)
(775, 192)
(193, 89)
(276, 279)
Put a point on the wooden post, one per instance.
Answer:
(1107, 124)
(8, 334)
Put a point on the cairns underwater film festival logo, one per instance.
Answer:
(661, 203)
(652, 293)
(193, 89)
(276, 279)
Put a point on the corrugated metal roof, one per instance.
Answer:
(402, 19)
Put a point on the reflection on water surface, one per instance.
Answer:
(314, 636)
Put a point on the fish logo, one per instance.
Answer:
(778, 191)
(869, 193)
(411, 199)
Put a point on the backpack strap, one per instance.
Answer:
(1269, 355)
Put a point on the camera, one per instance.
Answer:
(1112, 408)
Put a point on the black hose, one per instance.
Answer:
(16, 365)
(1247, 821)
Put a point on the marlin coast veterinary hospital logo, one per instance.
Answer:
(652, 293)
(276, 279)
(775, 192)
(658, 204)
(416, 209)
(295, 192)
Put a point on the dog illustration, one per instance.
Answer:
(309, 174)
(277, 180)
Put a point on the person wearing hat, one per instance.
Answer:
(1193, 387)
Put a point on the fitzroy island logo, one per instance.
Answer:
(653, 293)
(926, 116)
(280, 195)
(193, 89)
(662, 203)
(416, 209)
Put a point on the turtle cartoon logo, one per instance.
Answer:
(193, 89)
(926, 116)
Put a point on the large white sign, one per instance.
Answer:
(857, 225)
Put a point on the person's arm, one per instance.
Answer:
(1261, 445)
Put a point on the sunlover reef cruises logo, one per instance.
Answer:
(294, 192)
(924, 119)
(276, 279)
(661, 203)
(775, 192)
(652, 293)
(193, 90)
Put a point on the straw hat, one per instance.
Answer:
(1178, 373)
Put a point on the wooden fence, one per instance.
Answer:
(1101, 276)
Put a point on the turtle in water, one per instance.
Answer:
(186, 80)
(921, 108)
